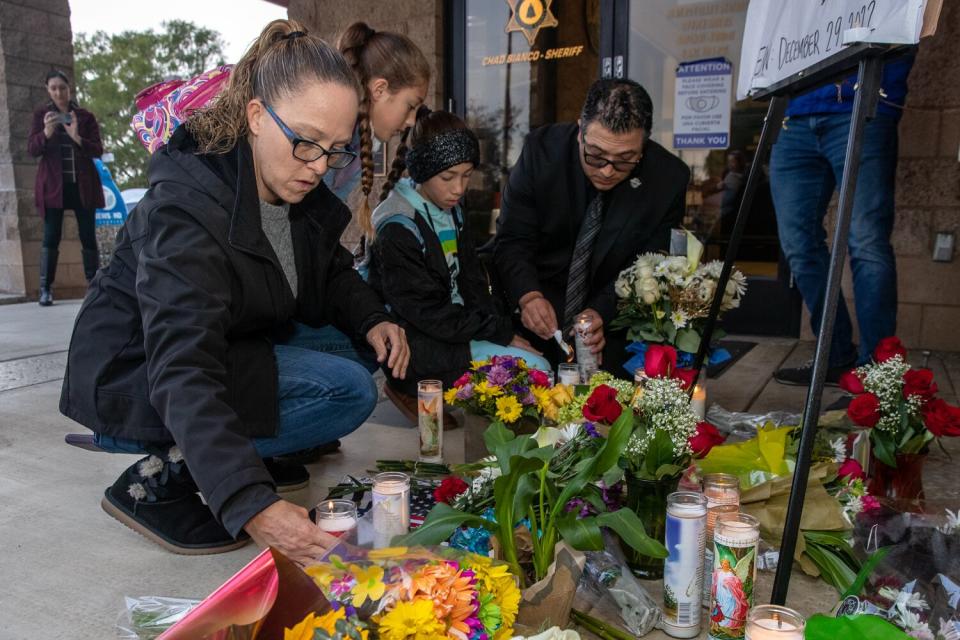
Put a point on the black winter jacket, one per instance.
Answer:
(412, 277)
(174, 340)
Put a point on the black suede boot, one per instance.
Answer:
(48, 271)
(91, 262)
(157, 498)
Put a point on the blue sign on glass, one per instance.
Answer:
(114, 210)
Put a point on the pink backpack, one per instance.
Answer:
(163, 106)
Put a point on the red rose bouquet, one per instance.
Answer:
(898, 404)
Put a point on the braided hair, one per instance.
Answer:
(378, 54)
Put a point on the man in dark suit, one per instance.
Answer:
(582, 201)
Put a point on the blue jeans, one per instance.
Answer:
(806, 165)
(323, 395)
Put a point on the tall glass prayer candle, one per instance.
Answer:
(683, 568)
(698, 403)
(734, 574)
(722, 491)
(391, 506)
(430, 420)
(773, 622)
(338, 518)
(586, 359)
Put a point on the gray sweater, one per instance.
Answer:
(275, 220)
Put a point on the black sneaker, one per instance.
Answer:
(802, 375)
(288, 476)
(159, 506)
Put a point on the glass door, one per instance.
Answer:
(663, 34)
(516, 65)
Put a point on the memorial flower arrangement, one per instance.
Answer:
(666, 299)
(505, 389)
(661, 446)
(898, 404)
(413, 594)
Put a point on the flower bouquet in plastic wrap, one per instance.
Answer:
(396, 593)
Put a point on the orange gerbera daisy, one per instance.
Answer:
(450, 591)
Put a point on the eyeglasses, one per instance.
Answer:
(308, 150)
(599, 162)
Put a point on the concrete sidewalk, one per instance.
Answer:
(66, 566)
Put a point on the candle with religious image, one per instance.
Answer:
(773, 622)
(338, 518)
(586, 359)
(683, 568)
(734, 574)
(430, 420)
(722, 491)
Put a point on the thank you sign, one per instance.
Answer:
(701, 107)
(782, 38)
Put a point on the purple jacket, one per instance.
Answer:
(49, 185)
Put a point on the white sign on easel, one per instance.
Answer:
(783, 38)
(701, 111)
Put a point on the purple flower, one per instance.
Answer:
(578, 503)
(507, 362)
(341, 586)
(591, 430)
(465, 392)
(612, 496)
(498, 376)
(529, 400)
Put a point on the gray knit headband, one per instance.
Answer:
(448, 149)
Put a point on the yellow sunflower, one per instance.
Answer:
(412, 621)
(486, 391)
(508, 409)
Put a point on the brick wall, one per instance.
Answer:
(35, 37)
(420, 20)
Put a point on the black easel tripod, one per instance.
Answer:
(868, 60)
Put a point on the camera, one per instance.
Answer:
(64, 118)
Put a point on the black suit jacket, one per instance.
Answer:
(543, 207)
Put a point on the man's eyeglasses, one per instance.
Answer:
(310, 151)
(599, 162)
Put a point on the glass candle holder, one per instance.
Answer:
(698, 403)
(735, 540)
(713, 513)
(338, 518)
(773, 622)
(430, 420)
(391, 506)
(569, 373)
(720, 488)
(683, 569)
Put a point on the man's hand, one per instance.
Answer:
(537, 315)
(287, 527)
(389, 340)
(595, 338)
(522, 343)
(50, 121)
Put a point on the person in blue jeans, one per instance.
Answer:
(806, 166)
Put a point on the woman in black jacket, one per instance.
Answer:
(177, 350)
(425, 267)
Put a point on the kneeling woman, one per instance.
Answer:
(174, 351)
(424, 264)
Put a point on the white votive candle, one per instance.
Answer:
(773, 622)
(337, 517)
(391, 506)
(699, 401)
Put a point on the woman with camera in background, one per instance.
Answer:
(66, 138)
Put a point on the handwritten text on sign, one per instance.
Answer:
(701, 109)
(783, 38)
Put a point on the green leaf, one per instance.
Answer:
(441, 522)
(865, 571)
(616, 442)
(883, 449)
(626, 524)
(580, 533)
(651, 335)
(821, 627)
(659, 452)
(668, 471)
(671, 332)
(688, 340)
(504, 444)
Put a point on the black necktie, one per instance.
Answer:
(580, 264)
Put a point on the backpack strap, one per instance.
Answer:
(408, 223)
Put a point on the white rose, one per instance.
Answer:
(650, 298)
(646, 271)
(622, 288)
(649, 285)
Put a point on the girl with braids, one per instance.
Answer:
(394, 75)
(178, 348)
(424, 265)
